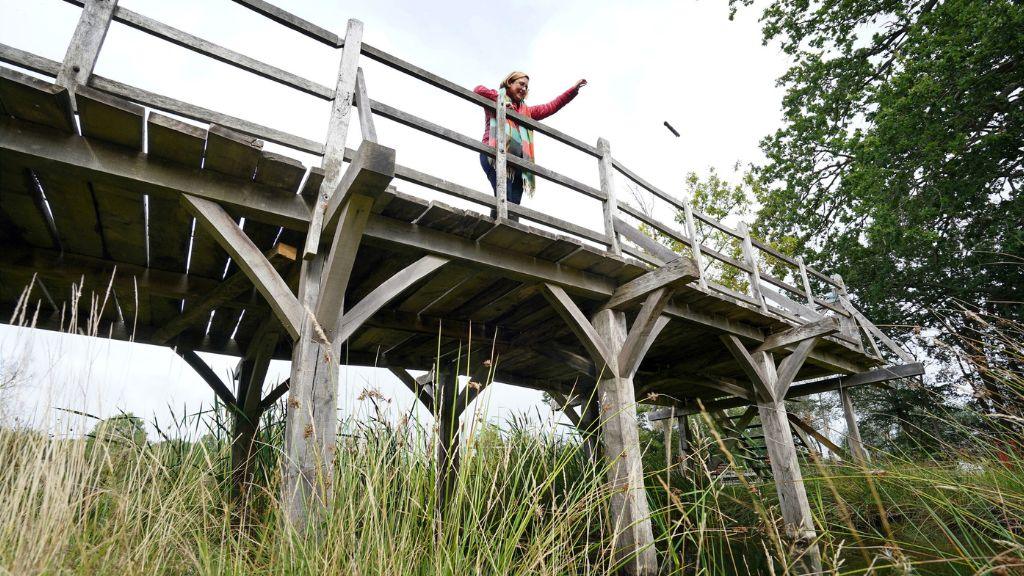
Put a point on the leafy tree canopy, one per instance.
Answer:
(900, 160)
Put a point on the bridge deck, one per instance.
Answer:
(75, 207)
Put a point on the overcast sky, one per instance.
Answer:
(646, 62)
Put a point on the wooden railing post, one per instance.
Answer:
(611, 205)
(337, 131)
(754, 275)
(848, 326)
(806, 281)
(84, 48)
(691, 231)
(500, 156)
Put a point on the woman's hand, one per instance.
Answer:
(581, 84)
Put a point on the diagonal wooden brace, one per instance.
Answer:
(648, 324)
(677, 272)
(250, 259)
(581, 326)
(815, 329)
(749, 366)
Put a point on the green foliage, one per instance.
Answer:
(900, 162)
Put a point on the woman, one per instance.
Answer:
(519, 139)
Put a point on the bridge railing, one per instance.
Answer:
(732, 266)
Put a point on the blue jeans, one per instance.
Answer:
(514, 190)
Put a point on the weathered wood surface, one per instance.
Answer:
(86, 41)
(853, 439)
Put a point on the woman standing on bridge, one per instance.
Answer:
(518, 139)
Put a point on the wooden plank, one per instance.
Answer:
(33, 100)
(677, 272)
(29, 61)
(174, 141)
(231, 153)
(198, 113)
(501, 155)
(110, 119)
(221, 54)
(74, 212)
(84, 47)
(266, 279)
(278, 171)
(234, 286)
(816, 329)
(444, 218)
(595, 345)
(292, 21)
(122, 218)
(337, 131)
(22, 208)
(103, 163)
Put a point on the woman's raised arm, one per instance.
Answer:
(486, 92)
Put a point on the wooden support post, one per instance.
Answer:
(633, 535)
(610, 206)
(84, 48)
(691, 231)
(247, 419)
(853, 441)
(754, 275)
(683, 445)
(446, 388)
(362, 100)
(778, 438)
(501, 156)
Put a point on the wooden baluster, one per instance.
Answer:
(754, 275)
(84, 48)
(611, 205)
(806, 281)
(500, 157)
(848, 325)
(691, 231)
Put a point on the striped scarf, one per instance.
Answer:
(518, 142)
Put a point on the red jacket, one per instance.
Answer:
(539, 112)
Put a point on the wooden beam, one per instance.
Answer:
(249, 258)
(275, 394)
(853, 440)
(469, 393)
(648, 324)
(749, 366)
(228, 290)
(385, 293)
(675, 273)
(610, 206)
(644, 241)
(790, 366)
(581, 327)
(826, 385)
(209, 376)
(779, 340)
(824, 440)
(414, 386)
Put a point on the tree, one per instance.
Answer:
(900, 159)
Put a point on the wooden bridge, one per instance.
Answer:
(220, 246)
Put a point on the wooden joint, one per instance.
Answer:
(750, 367)
(595, 345)
(369, 174)
(817, 329)
(677, 272)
